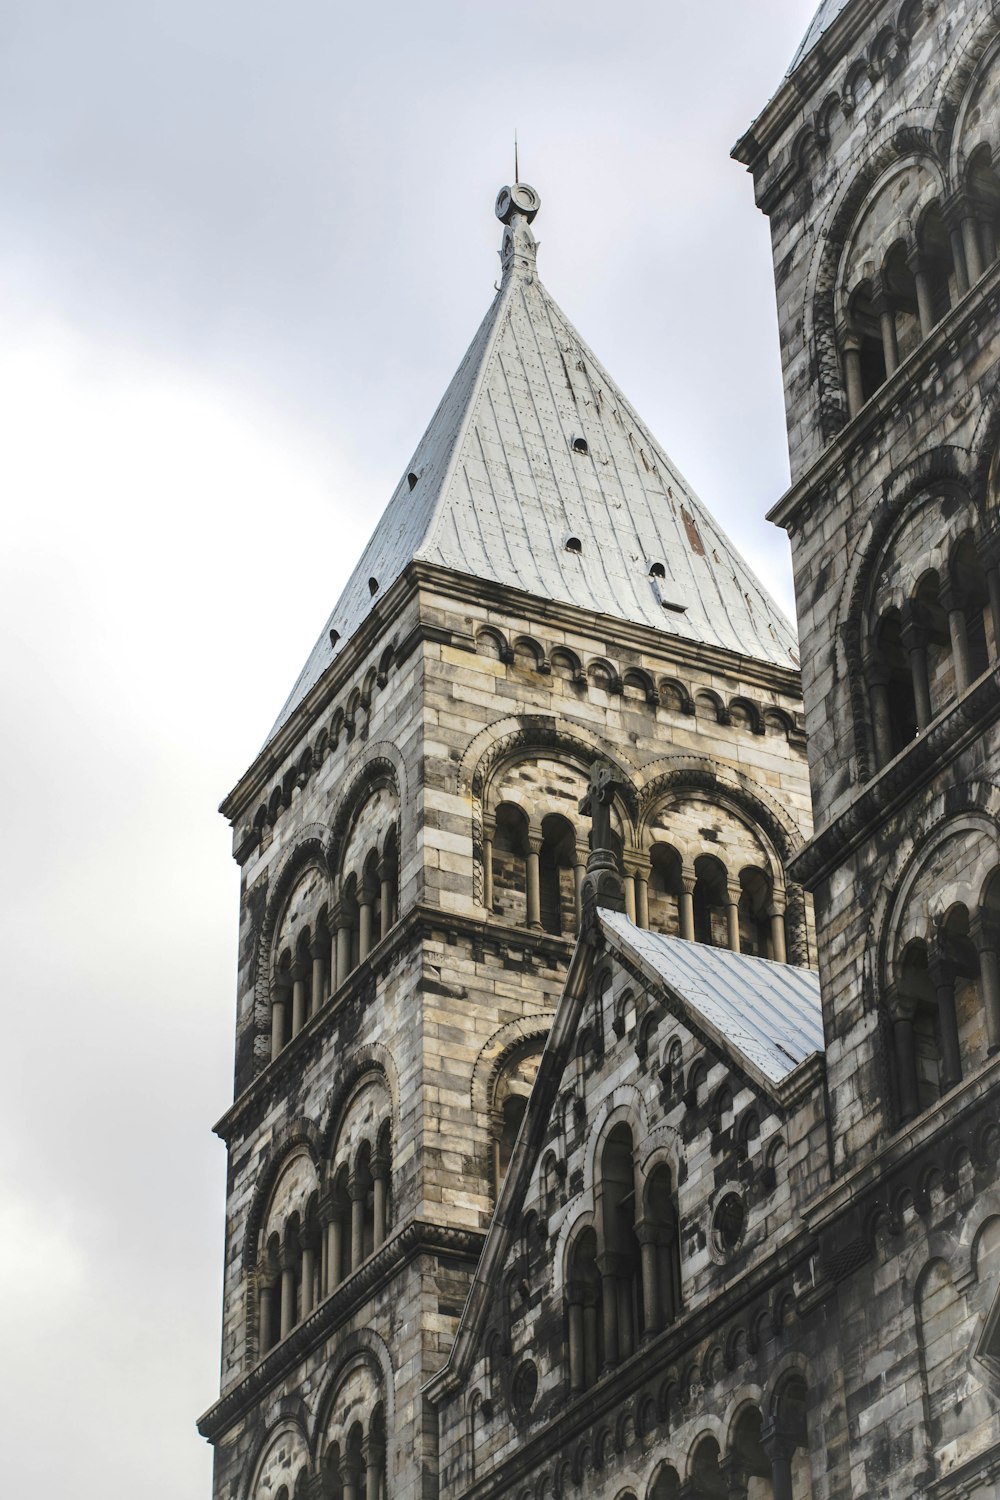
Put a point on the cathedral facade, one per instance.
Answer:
(616, 1095)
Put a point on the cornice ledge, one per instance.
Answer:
(895, 392)
(899, 1151)
(945, 737)
(415, 1238)
(659, 643)
(418, 923)
(801, 1081)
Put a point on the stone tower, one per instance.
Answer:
(876, 164)
(543, 591)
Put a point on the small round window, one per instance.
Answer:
(524, 1387)
(729, 1223)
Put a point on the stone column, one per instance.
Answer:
(652, 1299)
(589, 1337)
(357, 1192)
(776, 913)
(626, 1330)
(985, 933)
(365, 925)
(343, 945)
(289, 1266)
(532, 894)
(577, 1369)
(629, 883)
(942, 975)
(265, 1332)
(686, 903)
(922, 283)
(971, 243)
(642, 894)
(901, 1009)
(608, 1265)
(878, 693)
(958, 632)
(952, 213)
(349, 1477)
(335, 1249)
(579, 871)
(334, 946)
(278, 1021)
(915, 641)
(385, 874)
(319, 951)
(887, 325)
(325, 1214)
(380, 1185)
(852, 375)
(298, 996)
(373, 1469)
(733, 894)
(736, 1477)
(779, 1449)
(993, 586)
(310, 1244)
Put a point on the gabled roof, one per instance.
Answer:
(826, 15)
(767, 1012)
(765, 1016)
(532, 444)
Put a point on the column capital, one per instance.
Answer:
(984, 930)
(900, 1007)
(777, 1442)
(733, 892)
(489, 825)
(356, 1188)
(688, 880)
(613, 1263)
(288, 1257)
(535, 842)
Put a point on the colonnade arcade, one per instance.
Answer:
(350, 1447)
(324, 1219)
(915, 251)
(760, 1458)
(942, 974)
(697, 867)
(931, 617)
(332, 919)
(622, 1278)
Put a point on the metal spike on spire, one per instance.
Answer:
(517, 174)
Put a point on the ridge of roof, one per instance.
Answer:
(533, 446)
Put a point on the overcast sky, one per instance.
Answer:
(243, 247)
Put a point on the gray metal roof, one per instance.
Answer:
(499, 487)
(826, 15)
(769, 1012)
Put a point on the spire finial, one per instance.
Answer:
(516, 206)
(517, 173)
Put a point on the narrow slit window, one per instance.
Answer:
(334, 637)
(411, 480)
(373, 586)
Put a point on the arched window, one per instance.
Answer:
(893, 705)
(665, 890)
(984, 198)
(918, 1038)
(707, 1481)
(623, 1316)
(968, 613)
(659, 1239)
(900, 292)
(509, 1102)
(585, 1313)
(510, 864)
(711, 901)
(556, 875)
(936, 283)
(756, 936)
(865, 361)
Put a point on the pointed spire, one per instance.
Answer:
(516, 207)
